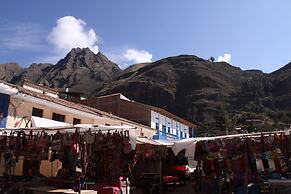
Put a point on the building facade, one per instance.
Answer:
(167, 125)
(19, 103)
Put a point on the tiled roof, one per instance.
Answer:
(73, 105)
(41, 87)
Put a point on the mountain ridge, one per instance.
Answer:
(195, 89)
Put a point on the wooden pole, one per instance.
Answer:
(126, 191)
(160, 171)
(246, 166)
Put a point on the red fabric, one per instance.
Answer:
(170, 179)
(277, 164)
(108, 190)
(180, 168)
(238, 165)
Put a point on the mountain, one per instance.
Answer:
(9, 70)
(282, 86)
(202, 91)
(216, 95)
(183, 84)
(34, 72)
(81, 69)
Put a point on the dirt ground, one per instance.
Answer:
(185, 189)
(171, 189)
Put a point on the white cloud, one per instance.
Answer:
(138, 56)
(126, 57)
(225, 58)
(71, 32)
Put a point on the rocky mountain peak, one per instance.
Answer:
(85, 57)
(80, 67)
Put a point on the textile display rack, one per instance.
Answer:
(239, 163)
(147, 169)
(69, 156)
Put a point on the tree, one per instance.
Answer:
(212, 59)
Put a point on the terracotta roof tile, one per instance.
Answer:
(69, 104)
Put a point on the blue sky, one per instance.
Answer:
(250, 34)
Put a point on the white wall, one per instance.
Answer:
(168, 122)
(19, 108)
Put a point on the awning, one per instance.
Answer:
(166, 143)
(47, 123)
(183, 144)
(144, 140)
(8, 90)
(104, 127)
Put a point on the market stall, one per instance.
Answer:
(239, 163)
(69, 157)
(147, 169)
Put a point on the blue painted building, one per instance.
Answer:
(4, 103)
(167, 126)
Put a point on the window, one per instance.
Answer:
(169, 130)
(76, 121)
(157, 126)
(181, 134)
(185, 135)
(37, 112)
(58, 117)
(164, 129)
(63, 95)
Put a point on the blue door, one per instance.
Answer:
(4, 102)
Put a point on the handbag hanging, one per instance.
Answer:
(284, 167)
(3, 141)
(148, 151)
(98, 141)
(89, 137)
(126, 144)
(75, 142)
(57, 142)
(284, 143)
(12, 140)
(21, 141)
(67, 139)
(104, 143)
(289, 143)
(41, 141)
(259, 164)
(117, 140)
(31, 143)
(272, 166)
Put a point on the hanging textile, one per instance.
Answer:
(50, 169)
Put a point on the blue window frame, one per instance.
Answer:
(157, 126)
(164, 129)
(4, 103)
(164, 133)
